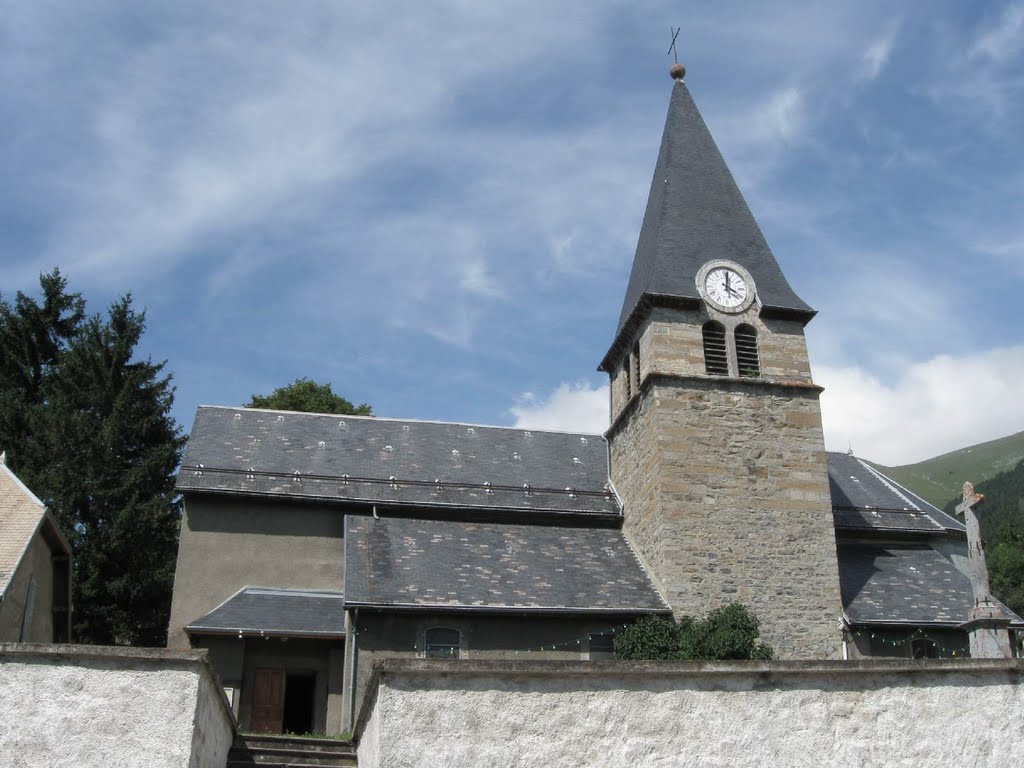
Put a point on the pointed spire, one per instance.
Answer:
(696, 213)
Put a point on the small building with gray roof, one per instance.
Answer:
(35, 568)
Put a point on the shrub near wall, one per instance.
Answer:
(728, 633)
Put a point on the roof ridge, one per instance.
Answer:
(400, 420)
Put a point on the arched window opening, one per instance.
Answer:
(716, 360)
(636, 366)
(747, 362)
(442, 643)
(626, 376)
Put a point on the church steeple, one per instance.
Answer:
(716, 444)
(695, 214)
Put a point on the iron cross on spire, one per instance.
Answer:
(672, 46)
(677, 70)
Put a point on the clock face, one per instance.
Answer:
(725, 287)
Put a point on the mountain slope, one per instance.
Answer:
(940, 479)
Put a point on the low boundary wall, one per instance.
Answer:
(84, 706)
(841, 713)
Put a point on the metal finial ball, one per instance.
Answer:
(678, 71)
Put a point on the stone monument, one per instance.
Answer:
(987, 622)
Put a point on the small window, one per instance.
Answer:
(716, 360)
(747, 362)
(923, 648)
(625, 375)
(602, 646)
(636, 366)
(442, 643)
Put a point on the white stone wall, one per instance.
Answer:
(112, 708)
(936, 713)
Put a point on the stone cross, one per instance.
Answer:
(987, 625)
(977, 569)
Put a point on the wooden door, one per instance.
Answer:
(268, 701)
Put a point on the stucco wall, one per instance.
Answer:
(401, 636)
(938, 713)
(227, 544)
(80, 706)
(37, 563)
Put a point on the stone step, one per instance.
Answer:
(298, 743)
(267, 751)
(287, 757)
(232, 763)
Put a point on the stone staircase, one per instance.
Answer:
(267, 751)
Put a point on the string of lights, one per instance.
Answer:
(579, 642)
(885, 637)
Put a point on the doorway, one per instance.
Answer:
(299, 695)
(283, 702)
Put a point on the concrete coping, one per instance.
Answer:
(655, 671)
(120, 657)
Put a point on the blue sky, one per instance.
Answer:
(434, 206)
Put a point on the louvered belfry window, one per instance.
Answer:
(716, 360)
(747, 361)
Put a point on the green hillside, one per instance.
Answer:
(940, 479)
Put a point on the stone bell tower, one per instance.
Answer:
(716, 439)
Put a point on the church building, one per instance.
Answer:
(313, 544)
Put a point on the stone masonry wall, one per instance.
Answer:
(672, 342)
(733, 504)
(725, 715)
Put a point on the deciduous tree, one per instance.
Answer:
(308, 396)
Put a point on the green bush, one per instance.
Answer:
(730, 632)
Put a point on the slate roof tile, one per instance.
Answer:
(864, 498)
(449, 564)
(393, 461)
(696, 213)
(903, 584)
(278, 612)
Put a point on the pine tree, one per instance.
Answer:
(99, 446)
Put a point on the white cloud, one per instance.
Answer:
(877, 55)
(933, 407)
(579, 407)
(475, 279)
(1003, 39)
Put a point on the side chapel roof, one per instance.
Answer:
(410, 563)
(912, 584)
(276, 612)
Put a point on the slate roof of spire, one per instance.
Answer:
(696, 213)
(434, 464)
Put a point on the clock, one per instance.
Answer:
(725, 286)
